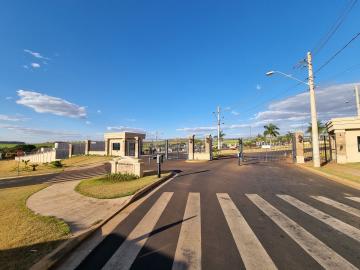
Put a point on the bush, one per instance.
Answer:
(119, 177)
(56, 163)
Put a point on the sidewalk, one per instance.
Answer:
(78, 211)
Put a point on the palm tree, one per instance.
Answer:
(222, 135)
(321, 128)
(271, 130)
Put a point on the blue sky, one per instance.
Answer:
(75, 69)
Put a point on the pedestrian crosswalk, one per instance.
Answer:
(189, 252)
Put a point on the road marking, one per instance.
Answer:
(356, 199)
(321, 253)
(127, 252)
(327, 219)
(338, 205)
(251, 251)
(188, 250)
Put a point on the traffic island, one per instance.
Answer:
(115, 185)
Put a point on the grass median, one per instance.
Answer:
(109, 188)
(26, 237)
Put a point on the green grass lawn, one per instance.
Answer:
(103, 188)
(350, 171)
(6, 145)
(10, 167)
(24, 236)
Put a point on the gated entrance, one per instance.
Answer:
(171, 149)
(261, 152)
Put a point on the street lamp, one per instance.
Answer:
(314, 125)
(272, 72)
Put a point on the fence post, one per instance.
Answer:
(325, 149)
(166, 149)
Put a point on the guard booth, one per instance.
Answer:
(123, 144)
(344, 134)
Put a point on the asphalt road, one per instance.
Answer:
(73, 174)
(218, 215)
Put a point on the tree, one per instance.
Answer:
(321, 128)
(271, 131)
(288, 136)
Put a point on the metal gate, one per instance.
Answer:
(171, 149)
(324, 149)
(258, 153)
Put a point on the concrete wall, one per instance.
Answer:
(44, 157)
(202, 156)
(98, 153)
(352, 152)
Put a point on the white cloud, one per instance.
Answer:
(88, 122)
(12, 118)
(197, 129)
(36, 54)
(9, 98)
(294, 111)
(124, 128)
(211, 128)
(42, 103)
(235, 113)
(26, 66)
(41, 132)
(35, 65)
(258, 87)
(98, 111)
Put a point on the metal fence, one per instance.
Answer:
(324, 149)
(97, 146)
(78, 148)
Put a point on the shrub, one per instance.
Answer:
(119, 177)
(56, 163)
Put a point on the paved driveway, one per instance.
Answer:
(69, 175)
(220, 216)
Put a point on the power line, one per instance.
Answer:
(323, 41)
(337, 53)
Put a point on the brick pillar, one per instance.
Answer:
(136, 147)
(191, 144)
(70, 150)
(299, 146)
(340, 141)
(122, 147)
(107, 147)
(208, 146)
(87, 147)
(166, 149)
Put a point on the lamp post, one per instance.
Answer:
(314, 124)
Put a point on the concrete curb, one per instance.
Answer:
(75, 240)
(331, 177)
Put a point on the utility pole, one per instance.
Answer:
(218, 126)
(357, 100)
(314, 124)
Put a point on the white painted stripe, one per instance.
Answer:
(338, 205)
(355, 199)
(188, 250)
(321, 253)
(125, 255)
(251, 251)
(323, 217)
